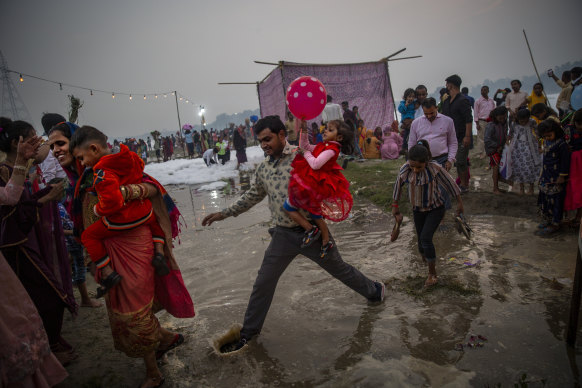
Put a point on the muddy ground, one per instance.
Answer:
(505, 285)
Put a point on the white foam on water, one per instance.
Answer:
(194, 171)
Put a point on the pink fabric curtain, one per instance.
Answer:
(365, 85)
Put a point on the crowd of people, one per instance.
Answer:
(49, 207)
(75, 202)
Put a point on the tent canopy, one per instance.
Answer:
(365, 85)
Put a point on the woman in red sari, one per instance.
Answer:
(131, 304)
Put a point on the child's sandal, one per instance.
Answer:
(108, 283)
(325, 249)
(310, 236)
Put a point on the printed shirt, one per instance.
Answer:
(272, 180)
(424, 188)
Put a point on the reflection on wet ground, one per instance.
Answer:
(506, 285)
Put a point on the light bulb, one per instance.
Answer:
(91, 92)
(165, 95)
(144, 97)
(130, 97)
(21, 79)
(156, 96)
(113, 95)
(186, 101)
(180, 98)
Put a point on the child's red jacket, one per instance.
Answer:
(112, 171)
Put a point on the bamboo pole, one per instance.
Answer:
(180, 123)
(237, 83)
(535, 67)
(266, 63)
(399, 59)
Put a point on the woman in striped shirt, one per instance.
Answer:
(425, 179)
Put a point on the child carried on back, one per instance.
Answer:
(89, 145)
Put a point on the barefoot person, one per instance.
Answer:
(272, 178)
(495, 136)
(425, 178)
(135, 329)
(78, 265)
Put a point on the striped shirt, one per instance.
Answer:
(424, 188)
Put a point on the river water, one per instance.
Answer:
(505, 285)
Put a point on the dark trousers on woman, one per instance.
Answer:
(426, 223)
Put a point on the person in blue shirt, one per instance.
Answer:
(406, 107)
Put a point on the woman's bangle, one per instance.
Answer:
(394, 205)
(22, 168)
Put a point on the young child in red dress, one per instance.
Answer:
(317, 184)
(111, 171)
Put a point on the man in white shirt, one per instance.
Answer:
(420, 93)
(483, 106)
(516, 99)
(210, 156)
(331, 111)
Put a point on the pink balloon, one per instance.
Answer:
(306, 97)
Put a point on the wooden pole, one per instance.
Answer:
(392, 55)
(180, 123)
(266, 63)
(399, 59)
(237, 83)
(575, 302)
(534, 65)
(391, 91)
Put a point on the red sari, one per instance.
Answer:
(324, 191)
(132, 303)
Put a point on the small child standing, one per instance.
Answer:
(406, 107)
(552, 183)
(317, 184)
(574, 188)
(495, 135)
(425, 179)
(525, 156)
(89, 145)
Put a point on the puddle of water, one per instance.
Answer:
(320, 333)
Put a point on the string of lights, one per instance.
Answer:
(131, 95)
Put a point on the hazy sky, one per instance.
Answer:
(145, 46)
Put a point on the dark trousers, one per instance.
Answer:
(442, 160)
(426, 224)
(285, 245)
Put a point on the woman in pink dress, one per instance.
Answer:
(392, 143)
